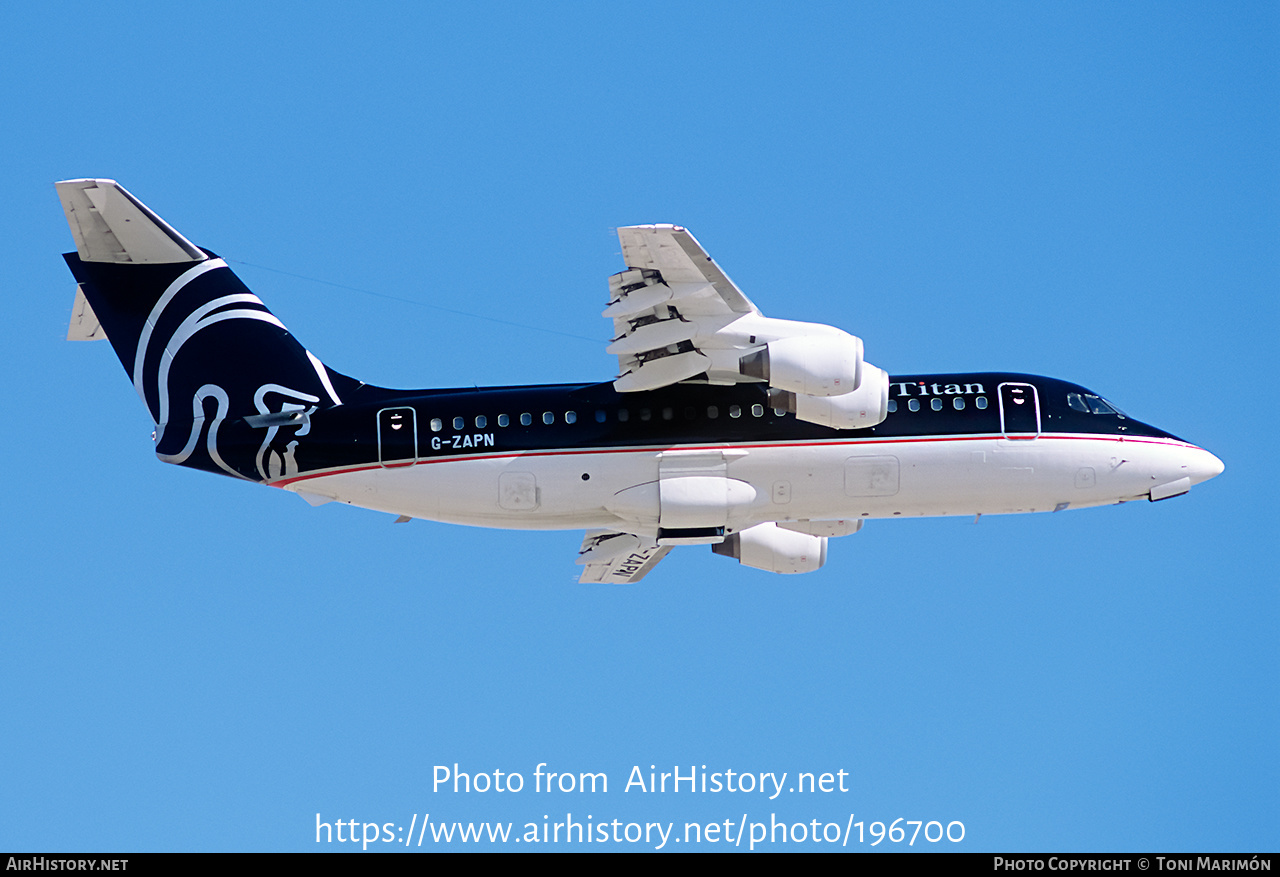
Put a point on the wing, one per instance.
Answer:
(678, 318)
(610, 557)
(680, 259)
(667, 308)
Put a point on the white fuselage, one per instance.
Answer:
(791, 481)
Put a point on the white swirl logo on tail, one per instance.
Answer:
(273, 462)
(208, 391)
(269, 462)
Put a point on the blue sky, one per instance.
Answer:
(1087, 191)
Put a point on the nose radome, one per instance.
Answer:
(1202, 465)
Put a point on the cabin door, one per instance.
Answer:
(397, 437)
(1019, 412)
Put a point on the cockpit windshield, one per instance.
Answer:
(1088, 403)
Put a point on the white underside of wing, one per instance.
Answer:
(612, 557)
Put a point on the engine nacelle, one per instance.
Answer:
(769, 547)
(812, 365)
(865, 406)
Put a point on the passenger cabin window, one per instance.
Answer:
(757, 410)
(436, 424)
(935, 404)
(600, 417)
(481, 421)
(459, 423)
(893, 405)
(526, 419)
(735, 411)
(958, 403)
(504, 420)
(623, 415)
(571, 417)
(980, 402)
(913, 404)
(548, 418)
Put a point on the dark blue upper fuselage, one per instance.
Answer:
(376, 425)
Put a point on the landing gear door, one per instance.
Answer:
(1019, 412)
(397, 437)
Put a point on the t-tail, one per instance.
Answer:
(228, 387)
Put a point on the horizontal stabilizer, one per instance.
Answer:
(84, 322)
(110, 225)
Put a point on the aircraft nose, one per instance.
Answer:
(1202, 465)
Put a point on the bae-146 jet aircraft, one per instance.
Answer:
(762, 437)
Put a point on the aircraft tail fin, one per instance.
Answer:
(202, 350)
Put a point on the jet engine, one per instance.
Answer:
(769, 547)
(812, 365)
(865, 406)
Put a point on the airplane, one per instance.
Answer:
(761, 437)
